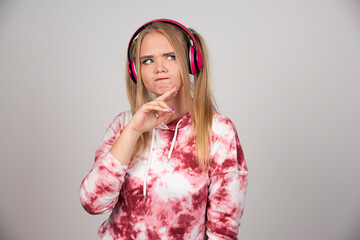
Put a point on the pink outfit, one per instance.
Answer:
(178, 200)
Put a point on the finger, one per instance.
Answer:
(167, 95)
(165, 116)
(150, 107)
(161, 104)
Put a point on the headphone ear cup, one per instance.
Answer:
(199, 62)
(195, 60)
(192, 60)
(132, 71)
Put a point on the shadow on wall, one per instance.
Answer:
(5, 234)
(4, 9)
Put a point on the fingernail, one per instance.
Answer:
(166, 110)
(173, 110)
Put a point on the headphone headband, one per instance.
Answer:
(195, 58)
(160, 20)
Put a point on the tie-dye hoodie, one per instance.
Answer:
(162, 193)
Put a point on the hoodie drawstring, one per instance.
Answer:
(151, 152)
(149, 162)
(173, 142)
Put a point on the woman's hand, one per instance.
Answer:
(151, 114)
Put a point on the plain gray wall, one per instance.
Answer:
(286, 72)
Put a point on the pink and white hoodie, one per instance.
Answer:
(162, 193)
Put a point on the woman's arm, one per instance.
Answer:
(100, 189)
(228, 176)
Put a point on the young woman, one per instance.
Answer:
(172, 167)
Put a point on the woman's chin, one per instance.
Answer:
(162, 90)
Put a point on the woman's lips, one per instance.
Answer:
(159, 79)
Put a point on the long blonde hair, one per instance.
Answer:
(201, 105)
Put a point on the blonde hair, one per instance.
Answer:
(201, 105)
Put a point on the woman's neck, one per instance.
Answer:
(178, 104)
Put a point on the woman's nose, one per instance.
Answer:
(160, 66)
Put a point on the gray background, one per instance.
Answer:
(286, 72)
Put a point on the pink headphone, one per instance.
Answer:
(195, 57)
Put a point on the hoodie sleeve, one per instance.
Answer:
(228, 182)
(100, 189)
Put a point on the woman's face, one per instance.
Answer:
(159, 69)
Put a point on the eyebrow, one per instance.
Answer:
(151, 56)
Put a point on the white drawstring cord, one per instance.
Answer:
(151, 152)
(173, 142)
(149, 162)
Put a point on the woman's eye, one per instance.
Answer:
(171, 57)
(147, 61)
